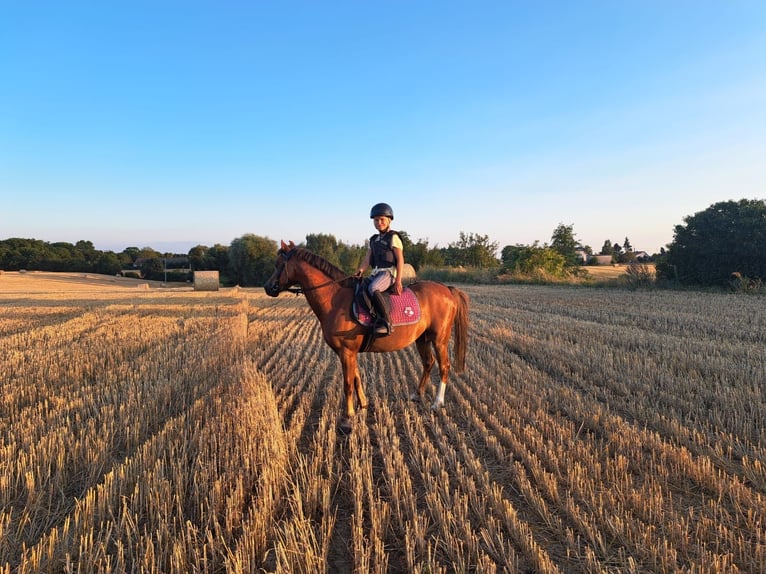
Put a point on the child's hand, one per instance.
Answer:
(398, 287)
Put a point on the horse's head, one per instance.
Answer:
(282, 277)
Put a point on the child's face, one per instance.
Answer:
(381, 223)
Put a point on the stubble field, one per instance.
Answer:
(153, 430)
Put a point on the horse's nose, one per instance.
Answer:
(271, 289)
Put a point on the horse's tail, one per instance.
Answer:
(460, 327)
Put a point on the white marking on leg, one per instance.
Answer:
(439, 400)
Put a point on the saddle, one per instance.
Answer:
(405, 309)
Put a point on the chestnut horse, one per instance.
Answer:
(329, 292)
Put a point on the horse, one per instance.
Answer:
(330, 292)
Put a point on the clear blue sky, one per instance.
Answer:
(176, 123)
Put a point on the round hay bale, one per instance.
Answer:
(408, 274)
(206, 281)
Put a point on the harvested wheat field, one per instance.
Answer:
(149, 430)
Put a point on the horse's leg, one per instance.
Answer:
(441, 345)
(360, 396)
(427, 358)
(350, 373)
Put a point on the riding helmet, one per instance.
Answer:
(381, 209)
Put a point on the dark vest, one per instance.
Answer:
(382, 254)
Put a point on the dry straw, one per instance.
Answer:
(408, 274)
(206, 281)
(178, 433)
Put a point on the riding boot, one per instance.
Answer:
(383, 308)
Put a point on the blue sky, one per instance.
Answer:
(175, 123)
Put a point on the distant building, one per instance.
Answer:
(603, 259)
(642, 256)
(582, 255)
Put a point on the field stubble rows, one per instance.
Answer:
(593, 431)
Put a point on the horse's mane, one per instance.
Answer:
(321, 263)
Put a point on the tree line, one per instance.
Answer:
(248, 260)
(724, 243)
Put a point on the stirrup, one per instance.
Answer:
(382, 328)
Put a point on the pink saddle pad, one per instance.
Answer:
(405, 310)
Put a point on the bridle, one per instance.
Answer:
(285, 256)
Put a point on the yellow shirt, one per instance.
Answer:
(396, 243)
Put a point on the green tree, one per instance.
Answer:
(344, 256)
(420, 254)
(728, 237)
(148, 253)
(533, 260)
(62, 256)
(417, 254)
(108, 263)
(472, 250)
(18, 253)
(607, 248)
(218, 257)
(627, 255)
(152, 268)
(434, 257)
(511, 255)
(564, 243)
(131, 253)
(125, 261)
(406, 244)
(350, 256)
(324, 245)
(198, 257)
(251, 259)
(87, 252)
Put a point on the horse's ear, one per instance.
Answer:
(284, 246)
(292, 245)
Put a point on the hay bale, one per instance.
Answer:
(206, 281)
(408, 274)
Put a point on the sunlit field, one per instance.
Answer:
(606, 272)
(145, 429)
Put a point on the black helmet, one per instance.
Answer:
(381, 209)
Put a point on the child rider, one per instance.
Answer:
(386, 257)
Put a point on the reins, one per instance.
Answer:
(301, 290)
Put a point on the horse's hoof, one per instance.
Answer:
(345, 427)
(414, 397)
(437, 406)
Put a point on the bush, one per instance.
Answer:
(742, 284)
(639, 275)
(458, 274)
